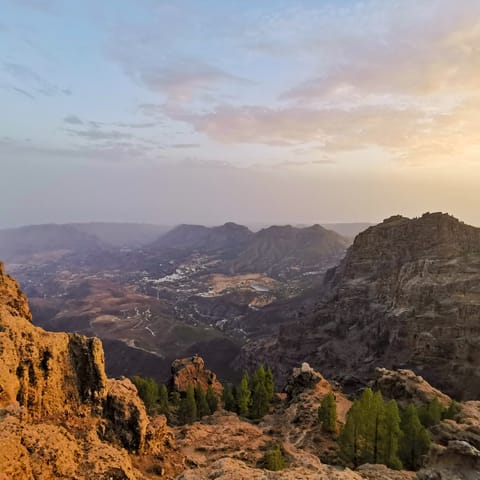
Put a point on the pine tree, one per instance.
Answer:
(147, 390)
(391, 435)
(378, 419)
(235, 395)
(269, 384)
(431, 414)
(212, 399)
(163, 406)
(188, 406)
(327, 413)
(228, 399)
(260, 403)
(415, 441)
(244, 396)
(175, 398)
(274, 458)
(367, 426)
(350, 438)
(259, 375)
(371, 432)
(201, 401)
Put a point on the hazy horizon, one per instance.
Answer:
(206, 112)
(250, 225)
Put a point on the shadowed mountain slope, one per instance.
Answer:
(407, 295)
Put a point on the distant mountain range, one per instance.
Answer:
(271, 250)
(152, 293)
(22, 242)
(25, 242)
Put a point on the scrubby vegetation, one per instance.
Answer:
(251, 398)
(195, 404)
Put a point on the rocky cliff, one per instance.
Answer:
(60, 417)
(407, 295)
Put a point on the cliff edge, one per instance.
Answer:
(60, 417)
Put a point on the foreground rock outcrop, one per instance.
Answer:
(60, 417)
(407, 295)
(225, 446)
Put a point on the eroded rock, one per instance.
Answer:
(192, 371)
(59, 415)
(457, 461)
(406, 387)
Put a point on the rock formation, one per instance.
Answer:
(457, 461)
(224, 446)
(60, 417)
(455, 451)
(406, 387)
(192, 371)
(407, 295)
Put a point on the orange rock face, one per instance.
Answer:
(192, 371)
(60, 417)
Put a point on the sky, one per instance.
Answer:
(256, 112)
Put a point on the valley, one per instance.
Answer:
(193, 290)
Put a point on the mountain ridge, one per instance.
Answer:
(406, 295)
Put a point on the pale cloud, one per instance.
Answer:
(449, 65)
(108, 149)
(97, 134)
(30, 81)
(333, 129)
(398, 76)
(185, 145)
(23, 92)
(407, 133)
(73, 120)
(135, 124)
(183, 81)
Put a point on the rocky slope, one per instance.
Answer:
(60, 417)
(407, 295)
(226, 447)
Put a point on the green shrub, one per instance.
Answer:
(274, 459)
